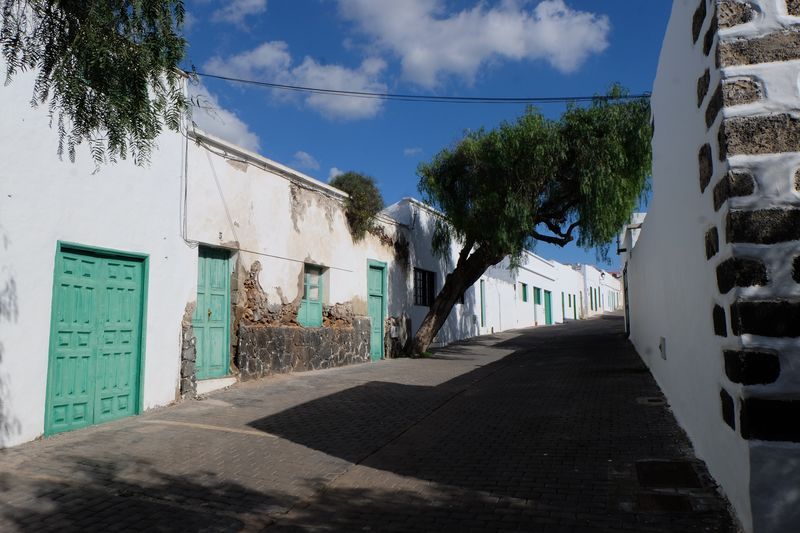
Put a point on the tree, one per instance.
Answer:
(364, 201)
(536, 179)
(106, 68)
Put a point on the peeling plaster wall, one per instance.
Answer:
(283, 225)
(277, 221)
(121, 207)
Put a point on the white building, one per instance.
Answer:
(95, 273)
(125, 288)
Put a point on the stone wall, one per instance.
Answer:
(188, 387)
(266, 350)
(747, 171)
(754, 128)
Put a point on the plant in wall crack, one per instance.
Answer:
(363, 203)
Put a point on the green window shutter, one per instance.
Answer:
(524, 292)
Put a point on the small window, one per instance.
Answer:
(524, 292)
(424, 287)
(537, 296)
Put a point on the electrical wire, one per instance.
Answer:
(425, 98)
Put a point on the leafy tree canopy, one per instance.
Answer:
(542, 179)
(107, 68)
(536, 179)
(364, 202)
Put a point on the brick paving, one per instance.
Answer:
(532, 430)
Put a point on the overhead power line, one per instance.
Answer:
(425, 98)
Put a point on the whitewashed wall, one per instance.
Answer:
(121, 207)
(417, 221)
(744, 114)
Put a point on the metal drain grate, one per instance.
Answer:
(667, 475)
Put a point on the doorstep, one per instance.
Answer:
(210, 385)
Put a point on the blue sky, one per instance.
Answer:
(463, 48)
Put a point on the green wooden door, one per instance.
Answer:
(377, 298)
(95, 339)
(310, 313)
(548, 307)
(211, 320)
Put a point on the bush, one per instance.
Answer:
(364, 203)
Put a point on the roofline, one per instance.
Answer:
(266, 163)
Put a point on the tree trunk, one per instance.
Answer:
(467, 272)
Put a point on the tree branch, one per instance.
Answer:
(562, 238)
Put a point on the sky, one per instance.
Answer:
(496, 48)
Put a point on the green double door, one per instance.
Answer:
(95, 339)
(211, 319)
(376, 294)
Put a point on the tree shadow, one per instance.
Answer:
(9, 314)
(541, 435)
(96, 496)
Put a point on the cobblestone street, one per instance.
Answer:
(548, 429)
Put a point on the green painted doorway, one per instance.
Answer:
(96, 338)
(211, 320)
(376, 302)
(548, 307)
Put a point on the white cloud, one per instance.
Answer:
(305, 160)
(270, 58)
(212, 118)
(410, 152)
(333, 172)
(236, 11)
(271, 61)
(432, 44)
(189, 22)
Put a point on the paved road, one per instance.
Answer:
(550, 429)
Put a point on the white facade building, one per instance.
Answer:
(125, 288)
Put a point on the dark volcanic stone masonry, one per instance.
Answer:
(765, 226)
(712, 243)
(714, 107)
(720, 323)
(751, 367)
(699, 18)
(741, 91)
(728, 409)
(265, 350)
(706, 166)
(732, 185)
(732, 13)
(770, 134)
(767, 318)
(702, 87)
(740, 272)
(778, 46)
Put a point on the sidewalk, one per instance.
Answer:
(547, 429)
